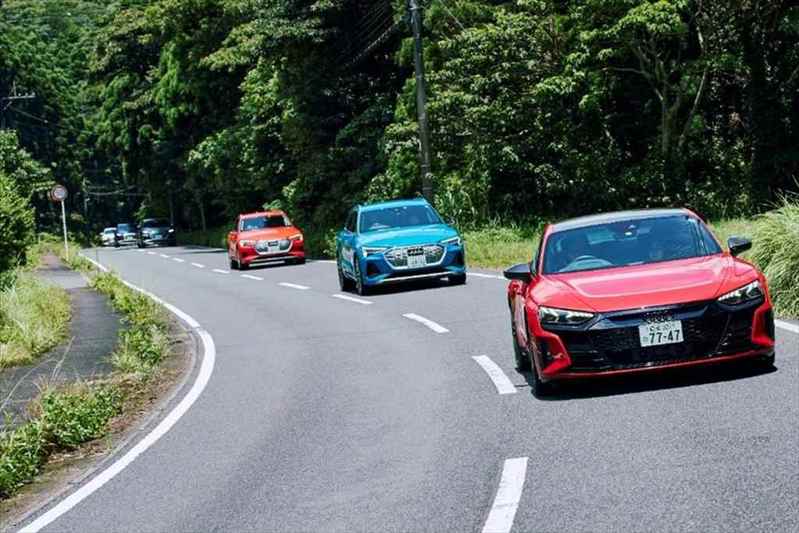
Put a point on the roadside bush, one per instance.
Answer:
(22, 452)
(78, 415)
(776, 251)
(67, 419)
(16, 224)
(146, 342)
(34, 317)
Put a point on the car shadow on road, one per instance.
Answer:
(663, 380)
(432, 284)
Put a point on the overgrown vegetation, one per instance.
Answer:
(777, 253)
(34, 317)
(66, 419)
(145, 341)
(538, 108)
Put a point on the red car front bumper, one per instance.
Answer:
(250, 256)
(714, 335)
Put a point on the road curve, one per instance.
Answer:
(332, 414)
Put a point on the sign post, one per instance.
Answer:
(59, 194)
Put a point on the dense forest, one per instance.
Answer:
(199, 109)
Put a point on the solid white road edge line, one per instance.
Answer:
(506, 502)
(787, 326)
(500, 379)
(249, 276)
(352, 299)
(488, 276)
(203, 376)
(178, 260)
(198, 265)
(221, 271)
(438, 328)
(294, 286)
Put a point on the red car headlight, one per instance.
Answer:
(246, 243)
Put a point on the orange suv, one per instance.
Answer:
(264, 237)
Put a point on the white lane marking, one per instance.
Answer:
(501, 381)
(294, 286)
(328, 261)
(198, 265)
(203, 376)
(352, 299)
(164, 256)
(178, 260)
(488, 276)
(787, 326)
(438, 328)
(506, 502)
(140, 251)
(248, 276)
(151, 253)
(221, 271)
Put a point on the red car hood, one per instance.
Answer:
(270, 233)
(672, 282)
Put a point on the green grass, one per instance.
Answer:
(34, 317)
(776, 252)
(500, 247)
(145, 342)
(67, 418)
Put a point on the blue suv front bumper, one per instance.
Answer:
(377, 270)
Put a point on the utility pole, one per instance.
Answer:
(421, 100)
(6, 101)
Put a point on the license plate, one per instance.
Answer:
(416, 261)
(660, 333)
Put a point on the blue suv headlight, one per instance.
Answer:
(372, 250)
(454, 241)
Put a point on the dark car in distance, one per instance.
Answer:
(155, 232)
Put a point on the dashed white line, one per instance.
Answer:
(501, 381)
(198, 265)
(438, 328)
(352, 299)
(164, 256)
(488, 276)
(151, 253)
(294, 286)
(221, 271)
(177, 259)
(506, 502)
(787, 326)
(249, 276)
(140, 251)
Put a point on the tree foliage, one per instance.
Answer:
(538, 108)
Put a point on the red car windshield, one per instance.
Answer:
(271, 221)
(628, 243)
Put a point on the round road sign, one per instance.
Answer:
(58, 193)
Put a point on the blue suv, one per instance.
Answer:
(397, 241)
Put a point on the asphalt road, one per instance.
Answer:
(325, 414)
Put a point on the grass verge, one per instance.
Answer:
(34, 317)
(65, 418)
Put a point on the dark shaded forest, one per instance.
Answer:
(200, 109)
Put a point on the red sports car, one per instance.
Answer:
(264, 237)
(636, 291)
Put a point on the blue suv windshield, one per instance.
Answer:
(398, 217)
